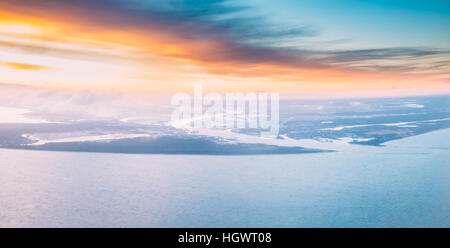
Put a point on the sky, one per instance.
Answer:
(349, 48)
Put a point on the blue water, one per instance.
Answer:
(403, 184)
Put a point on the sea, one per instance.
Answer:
(402, 183)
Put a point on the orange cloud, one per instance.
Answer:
(163, 58)
(22, 66)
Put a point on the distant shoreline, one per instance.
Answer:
(276, 150)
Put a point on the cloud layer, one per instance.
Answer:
(219, 37)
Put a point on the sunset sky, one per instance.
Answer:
(307, 47)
